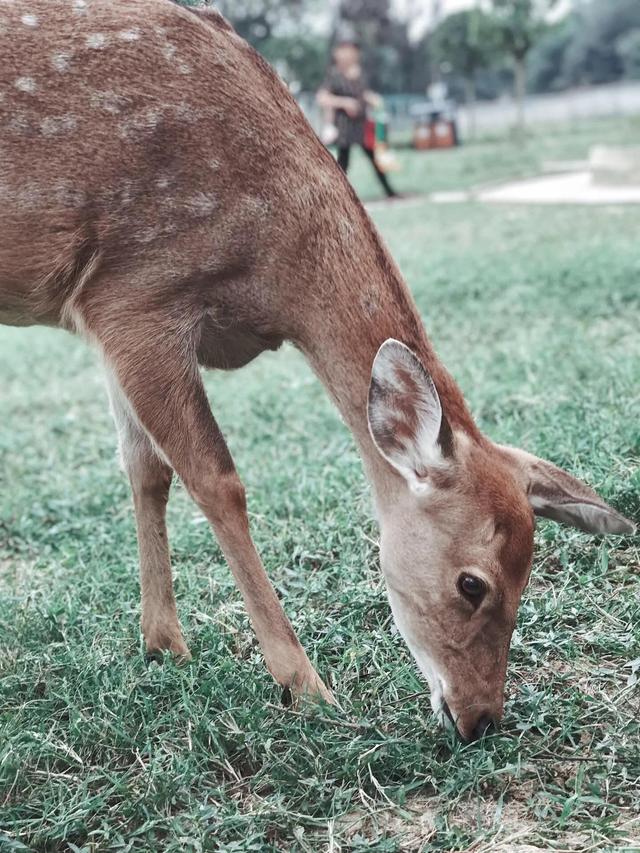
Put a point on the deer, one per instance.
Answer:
(164, 198)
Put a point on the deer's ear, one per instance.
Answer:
(557, 495)
(404, 413)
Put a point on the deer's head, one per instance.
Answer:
(457, 537)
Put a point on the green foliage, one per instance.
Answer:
(592, 56)
(545, 61)
(520, 23)
(628, 48)
(594, 43)
(466, 41)
(259, 20)
(300, 60)
(536, 314)
(597, 43)
(277, 29)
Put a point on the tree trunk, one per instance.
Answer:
(520, 91)
(470, 102)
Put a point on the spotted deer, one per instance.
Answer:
(164, 197)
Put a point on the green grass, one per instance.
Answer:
(537, 313)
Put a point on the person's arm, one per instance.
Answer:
(372, 99)
(327, 100)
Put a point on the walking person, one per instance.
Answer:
(344, 96)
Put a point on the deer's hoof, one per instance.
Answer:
(159, 640)
(309, 689)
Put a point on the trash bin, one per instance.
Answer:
(434, 125)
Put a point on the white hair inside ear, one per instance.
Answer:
(405, 415)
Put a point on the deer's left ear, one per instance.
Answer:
(557, 495)
(405, 416)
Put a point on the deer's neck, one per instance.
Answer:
(358, 304)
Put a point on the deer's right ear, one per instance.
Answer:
(404, 413)
(555, 494)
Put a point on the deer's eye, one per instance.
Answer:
(472, 588)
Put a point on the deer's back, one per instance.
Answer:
(138, 139)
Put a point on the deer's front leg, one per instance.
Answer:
(150, 480)
(158, 373)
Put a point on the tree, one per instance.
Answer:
(392, 61)
(546, 59)
(466, 42)
(288, 33)
(598, 42)
(275, 28)
(628, 47)
(520, 23)
(300, 60)
(597, 54)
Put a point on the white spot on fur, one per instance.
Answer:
(80, 5)
(129, 35)
(29, 20)
(149, 234)
(69, 196)
(370, 301)
(19, 124)
(146, 235)
(96, 41)
(25, 84)
(169, 50)
(53, 125)
(108, 102)
(184, 68)
(28, 195)
(346, 228)
(60, 62)
(141, 123)
(162, 183)
(256, 206)
(126, 193)
(201, 204)
(184, 112)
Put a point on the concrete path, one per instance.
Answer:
(568, 188)
(573, 188)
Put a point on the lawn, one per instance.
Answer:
(537, 314)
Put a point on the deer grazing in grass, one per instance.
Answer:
(163, 196)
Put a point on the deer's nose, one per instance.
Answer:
(470, 731)
(485, 725)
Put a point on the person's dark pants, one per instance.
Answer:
(343, 162)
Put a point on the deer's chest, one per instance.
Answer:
(227, 344)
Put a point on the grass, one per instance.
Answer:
(536, 312)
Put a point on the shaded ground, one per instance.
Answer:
(537, 315)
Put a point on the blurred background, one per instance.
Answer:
(493, 65)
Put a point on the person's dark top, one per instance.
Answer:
(350, 130)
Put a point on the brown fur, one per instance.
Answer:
(163, 195)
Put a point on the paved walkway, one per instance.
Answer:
(572, 188)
